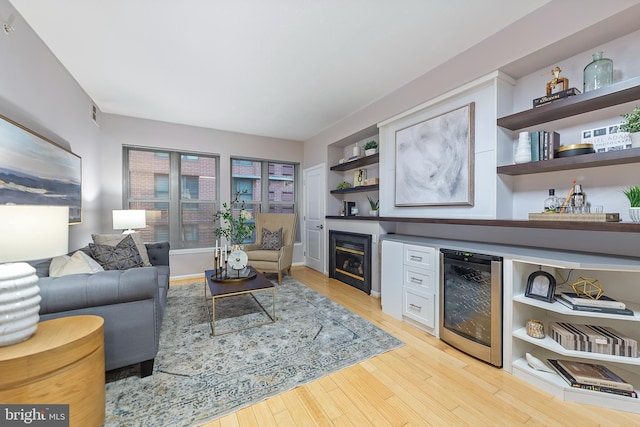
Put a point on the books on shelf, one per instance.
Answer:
(593, 339)
(603, 301)
(544, 144)
(590, 376)
(543, 100)
(594, 308)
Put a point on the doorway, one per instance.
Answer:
(314, 206)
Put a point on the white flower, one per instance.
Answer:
(245, 215)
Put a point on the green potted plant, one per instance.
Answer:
(633, 194)
(374, 205)
(370, 148)
(343, 185)
(631, 124)
(234, 222)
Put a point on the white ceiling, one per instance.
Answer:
(280, 68)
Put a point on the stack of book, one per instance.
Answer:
(594, 339)
(591, 376)
(604, 304)
(543, 145)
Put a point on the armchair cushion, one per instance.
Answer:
(271, 240)
(123, 256)
(263, 255)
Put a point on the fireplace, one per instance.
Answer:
(350, 259)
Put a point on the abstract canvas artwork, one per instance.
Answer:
(35, 171)
(435, 159)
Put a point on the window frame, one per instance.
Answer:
(264, 203)
(175, 202)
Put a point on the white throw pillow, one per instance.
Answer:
(114, 239)
(78, 263)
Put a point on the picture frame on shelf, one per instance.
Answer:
(359, 176)
(435, 160)
(541, 286)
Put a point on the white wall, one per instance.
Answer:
(602, 185)
(117, 131)
(38, 92)
(483, 158)
(526, 50)
(527, 44)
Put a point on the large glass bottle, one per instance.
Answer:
(598, 73)
(552, 203)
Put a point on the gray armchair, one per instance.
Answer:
(273, 261)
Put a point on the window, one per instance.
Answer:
(179, 191)
(267, 186)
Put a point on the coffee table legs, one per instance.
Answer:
(212, 312)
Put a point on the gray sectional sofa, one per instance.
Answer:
(132, 303)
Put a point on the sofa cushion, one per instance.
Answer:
(271, 240)
(114, 239)
(78, 263)
(123, 256)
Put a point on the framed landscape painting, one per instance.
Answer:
(435, 160)
(36, 171)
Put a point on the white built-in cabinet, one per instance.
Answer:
(410, 292)
(620, 279)
(409, 283)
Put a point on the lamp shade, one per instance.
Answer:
(33, 232)
(28, 233)
(131, 218)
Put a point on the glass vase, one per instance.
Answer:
(598, 73)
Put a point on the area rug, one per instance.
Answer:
(198, 378)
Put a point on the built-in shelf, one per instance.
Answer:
(618, 227)
(609, 158)
(359, 189)
(354, 164)
(619, 93)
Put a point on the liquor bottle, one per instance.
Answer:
(598, 73)
(551, 203)
(577, 199)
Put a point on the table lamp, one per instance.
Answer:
(129, 219)
(28, 233)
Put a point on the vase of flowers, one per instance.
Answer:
(234, 222)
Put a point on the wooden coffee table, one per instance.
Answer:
(231, 288)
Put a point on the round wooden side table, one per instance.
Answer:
(62, 363)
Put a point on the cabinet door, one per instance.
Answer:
(420, 257)
(391, 278)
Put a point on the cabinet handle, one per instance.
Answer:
(417, 307)
(416, 280)
(415, 258)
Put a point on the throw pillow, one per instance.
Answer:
(271, 240)
(114, 239)
(123, 256)
(78, 263)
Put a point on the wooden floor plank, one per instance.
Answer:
(426, 381)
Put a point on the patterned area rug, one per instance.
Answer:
(198, 378)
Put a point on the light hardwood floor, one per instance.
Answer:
(423, 383)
